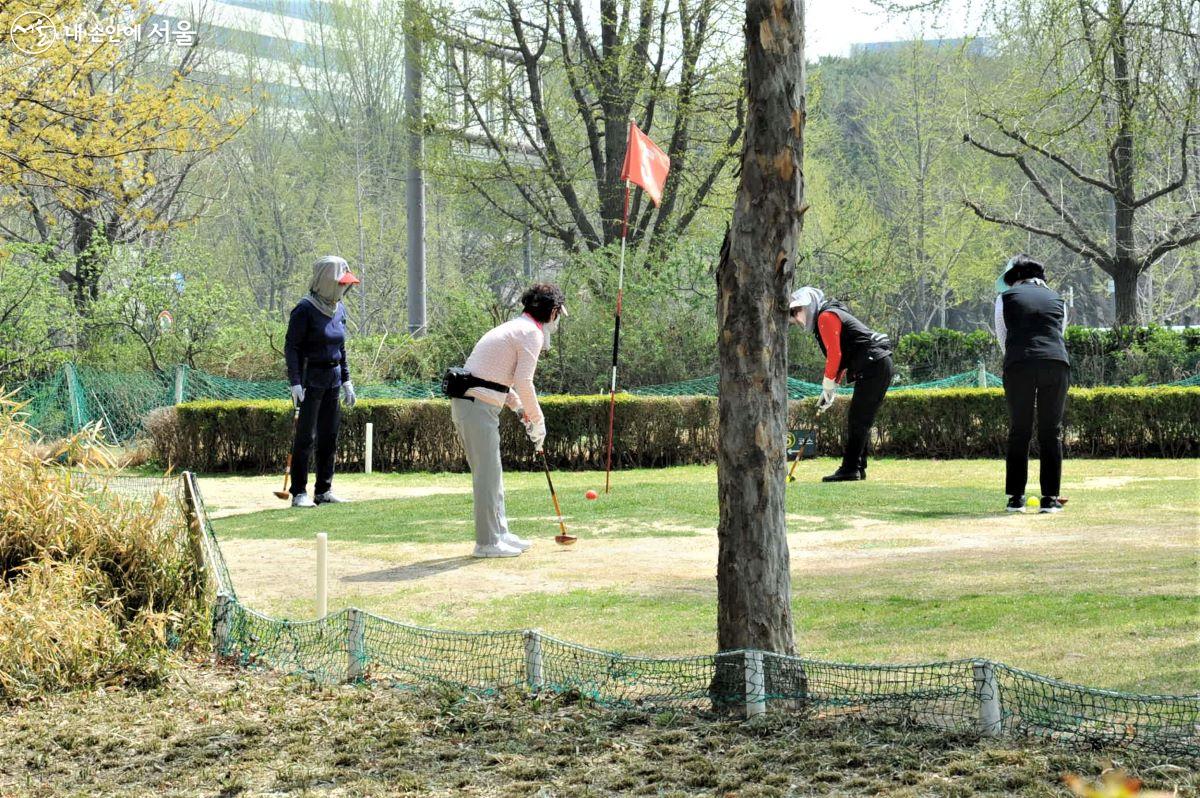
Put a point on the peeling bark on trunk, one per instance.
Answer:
(753, 281)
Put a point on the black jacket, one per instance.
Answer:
(861, 346)
(1033, 321)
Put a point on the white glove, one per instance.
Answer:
(536, 433)
(297, 393)
(348, 394)
(828, 394)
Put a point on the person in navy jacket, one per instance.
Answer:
(315, 350)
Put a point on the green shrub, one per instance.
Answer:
(417, 435)
(1132, 355)
(938, 353)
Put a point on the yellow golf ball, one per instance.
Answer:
(1033, 501)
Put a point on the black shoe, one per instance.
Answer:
(845, 476)
(1016, 504)
(1051, 504)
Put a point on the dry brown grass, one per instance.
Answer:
(211, 732)
(91, 584)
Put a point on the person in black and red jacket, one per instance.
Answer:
(855, 353)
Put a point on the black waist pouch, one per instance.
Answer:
(457, 381)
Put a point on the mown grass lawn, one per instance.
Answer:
(916, 564)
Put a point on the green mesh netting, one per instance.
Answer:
(77, 396)
(799, 389)
(962, 695)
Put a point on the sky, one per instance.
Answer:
(833, 25)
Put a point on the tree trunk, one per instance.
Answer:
(1125, 282)
(1121, 170)
(753, 279)
(87, 267)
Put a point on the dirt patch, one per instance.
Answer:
(1117, 482)
(268, 571)
(241, 495)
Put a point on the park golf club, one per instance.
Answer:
(562, 539)
(287, 468)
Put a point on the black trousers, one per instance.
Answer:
(320, 416)
(1044, 383)
(869, 389)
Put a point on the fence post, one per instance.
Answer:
(370, 448)
(356, 654)
(73, 397)
(221, 609)
(195, 526)
(987, 693)
(180, 380)
(322, 574)
(533, 660)
(983, 383)
(756, 693)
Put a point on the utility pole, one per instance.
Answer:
(528, 254)
(415, 183)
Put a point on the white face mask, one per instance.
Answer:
(800, 317)
(550, 327)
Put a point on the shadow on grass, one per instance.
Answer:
(414, 571)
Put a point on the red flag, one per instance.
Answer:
(645, 164)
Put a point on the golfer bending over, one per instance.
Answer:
(315, 350)
(854, 351)
(1030, 321)
(500, 372)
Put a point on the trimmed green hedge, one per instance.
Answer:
(412, 435)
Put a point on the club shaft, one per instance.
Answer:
(553, 496)
(287, 468)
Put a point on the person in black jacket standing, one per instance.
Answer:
(853, 351)
(315, 350)
(1030, 321)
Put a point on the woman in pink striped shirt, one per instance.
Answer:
(501, 367)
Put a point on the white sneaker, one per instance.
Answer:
(328, 497)
(520, 544)
(501, 549)
(302, 500)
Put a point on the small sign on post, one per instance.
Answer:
(801, 444)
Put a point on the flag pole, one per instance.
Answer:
(612, 391)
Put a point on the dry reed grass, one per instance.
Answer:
(93, 584)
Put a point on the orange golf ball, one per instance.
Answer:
(591, 494)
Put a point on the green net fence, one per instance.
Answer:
(971, 695)
(799, 389)
(77, 396)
